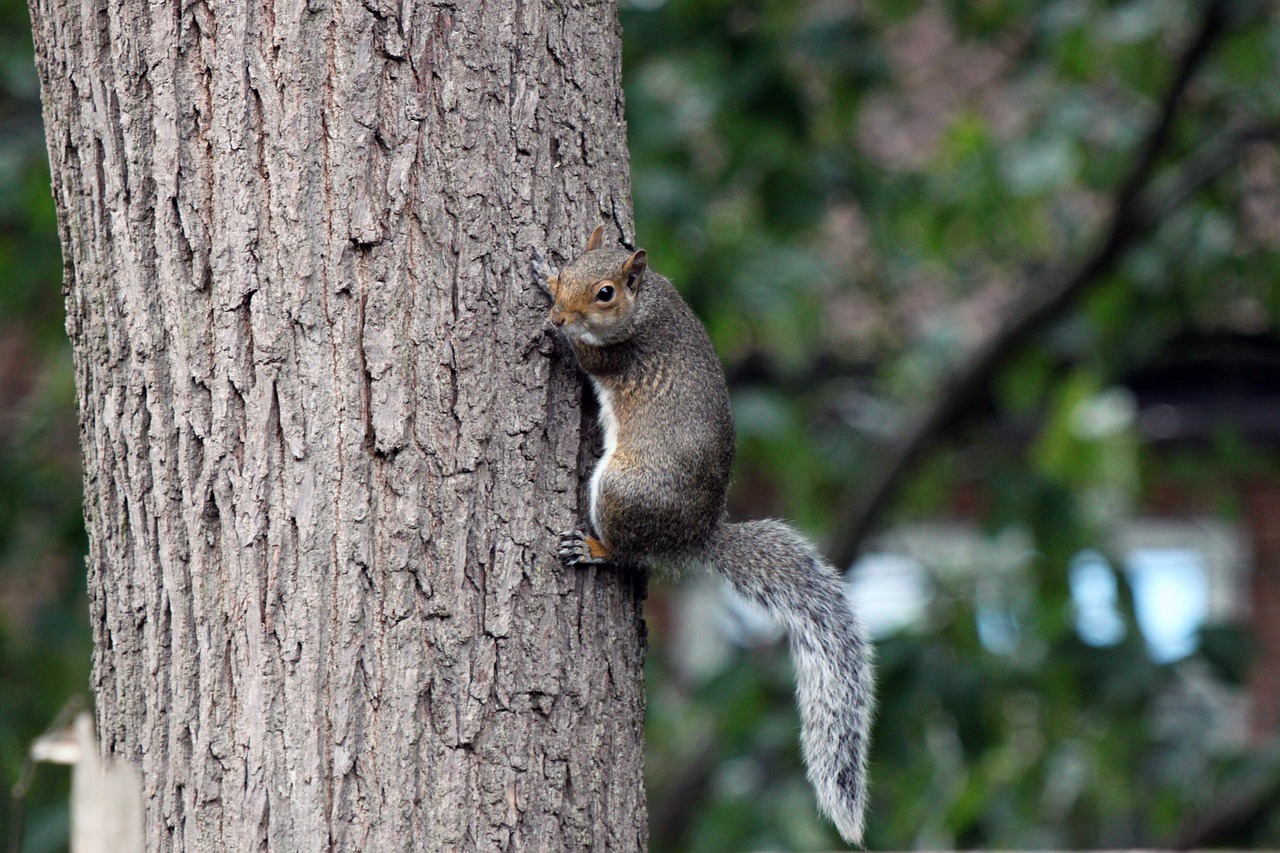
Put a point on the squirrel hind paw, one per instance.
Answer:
(579, 549)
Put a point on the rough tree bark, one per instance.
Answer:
(325, 449)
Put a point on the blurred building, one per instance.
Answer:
(1201, 390)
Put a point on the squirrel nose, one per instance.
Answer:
(557, 317)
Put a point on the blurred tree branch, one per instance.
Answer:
(758, 370)
(1136, 211)
(1251, 802)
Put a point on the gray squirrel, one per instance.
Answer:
(658, 498)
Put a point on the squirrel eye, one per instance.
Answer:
(605, 294)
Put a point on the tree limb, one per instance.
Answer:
(1133, 217)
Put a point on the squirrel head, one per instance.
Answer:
(596, 294)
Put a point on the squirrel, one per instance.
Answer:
(657, 498)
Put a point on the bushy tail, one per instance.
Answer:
(773, 566)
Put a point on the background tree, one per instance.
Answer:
(324, 446)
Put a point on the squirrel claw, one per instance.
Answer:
(543, 272)
(575, 550)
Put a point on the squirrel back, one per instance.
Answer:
(658, 499)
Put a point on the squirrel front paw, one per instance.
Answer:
(579, 549)
(545, 274)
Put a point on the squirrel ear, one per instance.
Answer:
(635, 267)
(593, 242)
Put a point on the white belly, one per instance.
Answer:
(609, 426)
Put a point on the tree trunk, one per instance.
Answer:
(326, 451)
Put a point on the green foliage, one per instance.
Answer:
(851, 194)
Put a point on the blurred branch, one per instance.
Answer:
(1249, 804)
(1134, 215)
(758, 370)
